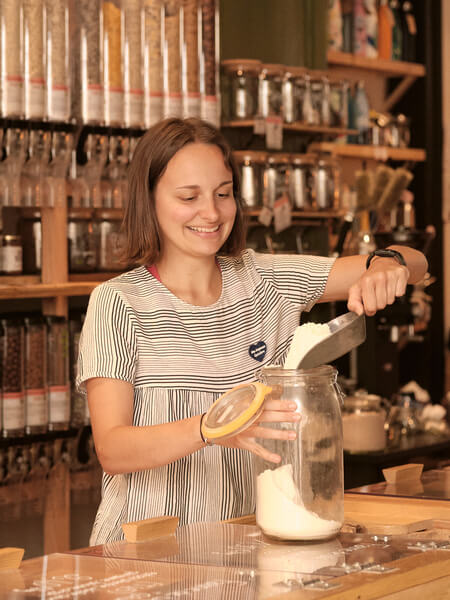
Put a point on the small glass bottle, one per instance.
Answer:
(12, 377)
(11, 255)
(35, 379)
(58, 373)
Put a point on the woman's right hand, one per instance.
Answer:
(274, 411)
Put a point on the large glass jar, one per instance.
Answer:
(363, 421)
(275, 178)
(35, 379)
(302, 498)
(111, 241)
(11, 34)
(293, 89)
(242, 83)
(153, 61)
(250, 167)
(113, 62)
(58, 373)
(191, 50)
(12, 355)
(326, 184)
(34, 58)
(82, 233)
(209, 84)
(301, 181)
(58, 64)
(133, 55)
(270, 94)
(173, 100)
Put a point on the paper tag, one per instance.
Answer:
(135, 101)
(259, 125)
(191, 106)
(59, 404)
(411, 23)
(155, 109)
(59, 103)
(13, 94)
(36, 99)
(380, 153)
(282, 214)
(116, 106)
(265, 216)
(36, 408)
(274, 132)
(13, 411)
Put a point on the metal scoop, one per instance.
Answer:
(346, 332)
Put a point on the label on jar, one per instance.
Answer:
(274, 132)
(13, 411)
(13, 94)
(36, 99)
(282, 214)
(191, 106)
(36, 408)
(265, 216)
(59, 404)
(210, 110)
(135, 112)
(155, 108)
(173, 106)
(59, 103)
(94, 104)
(259, 125)
(11, 259)
(116, 107)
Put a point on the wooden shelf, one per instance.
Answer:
(96, 277)
(305, 214)
(45, 290)
(297, 127)
(389, 68)
(381, 153)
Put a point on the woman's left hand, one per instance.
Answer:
(380, 285)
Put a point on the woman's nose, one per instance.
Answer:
(208, 209)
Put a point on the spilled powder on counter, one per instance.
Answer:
(305, 337)
(280, 511)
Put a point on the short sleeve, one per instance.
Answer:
(107, 345)
(299, 278)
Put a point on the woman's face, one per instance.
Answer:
(194, 202)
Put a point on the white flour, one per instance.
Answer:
(280, 511)
(305, 337)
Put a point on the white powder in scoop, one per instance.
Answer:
(305, 337)
(280, 511)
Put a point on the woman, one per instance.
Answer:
(199, 316)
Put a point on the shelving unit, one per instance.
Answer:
(21, 289)
(297, 127)
(381, 153)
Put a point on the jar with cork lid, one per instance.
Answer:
(241, 85)
(12, 356)
(270, 95)
(251, 166)
(35, 375)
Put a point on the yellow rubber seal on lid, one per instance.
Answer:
(233, 410)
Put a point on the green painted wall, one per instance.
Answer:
(290, 32)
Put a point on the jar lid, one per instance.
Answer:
(12, 238)
(256, 156)
(278, 159)
(242, 64)
(295, 71)
(235, 410)
(303, 159)
(273, 69)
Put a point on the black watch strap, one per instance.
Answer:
(386, 253)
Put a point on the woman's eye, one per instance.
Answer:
(224, 194)
(188, 199)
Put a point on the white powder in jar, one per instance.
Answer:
(281, 513)
(305, 337)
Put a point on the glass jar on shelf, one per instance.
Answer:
(87, 69)
(378, 131)
(251, 164)
(173, 100)
(320, 98)
(301, 181)
(326, 183)
(191, 51)
(209, 81)
(270, 90)
(113, 61)
(134, 68)
(31, 233)
(12, 73)
(293, 84)
(241, 83)
(58, 60)
(35, 379)
(11, 254)
(111, 240)
(82, 233)
(34, 58)
(58, 373)
(363, 422)
(339, 103)
(275, 178)
(153, 61)
(12, 358)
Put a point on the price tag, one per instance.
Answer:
(274, 132)
(411, 23)
(265, 216)
(282, 214)
(259, 126)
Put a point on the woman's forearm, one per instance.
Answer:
(127, 448)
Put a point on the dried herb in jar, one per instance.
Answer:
(190, 27)
(153, 21)
(173, 45)
(58, 84)
(209, 46)
(33, 14)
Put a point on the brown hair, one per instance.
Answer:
(151, 156)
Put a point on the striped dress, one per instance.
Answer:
(180, 358)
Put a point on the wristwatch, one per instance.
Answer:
(386, 253)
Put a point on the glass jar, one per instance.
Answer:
(111, 239)
(275, 178)
(242, 83)
(209, 84)
(82, 233)
(58, 64)
(270, 90)
(303, 497)
(34, 58)
(12, 356)
(173, 101)
(398, 131)
(58, 373)
(250, 167)
(133, 72)
(378, 130)
(320, 98)
(153, 61)
(363, 423)
(31, 233)
(292, 85)
(325, 184)
(12, 97)
(113, 57)
(11, 254)
(301, 181)
(35, 378)
(191, 49)
(338, 103)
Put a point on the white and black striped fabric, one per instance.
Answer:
(180, 358)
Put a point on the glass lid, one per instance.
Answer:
(235, 410)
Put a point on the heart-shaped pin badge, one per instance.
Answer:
(258, 351)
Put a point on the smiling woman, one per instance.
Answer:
(199, 316)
